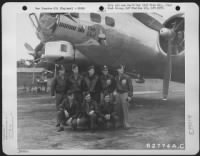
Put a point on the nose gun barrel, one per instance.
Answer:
(34, 21)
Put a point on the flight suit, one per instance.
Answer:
(108, 108)
(75, 85)
(92, 84)
(107, 85)
(87, 107)
(124, 89)
(72, 109)
(60, 87)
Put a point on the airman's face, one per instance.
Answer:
(61, 72)
(91, 71)
(71, 97)
(75, 70)
(120, 70)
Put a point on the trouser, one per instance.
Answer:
(62, 119)
(59, 98)
(122, 104)
(92, 121)
(112, 122)
(82, 122)
(87, 121)
(95, 96)
(78, 96)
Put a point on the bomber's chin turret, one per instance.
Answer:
(173, 23)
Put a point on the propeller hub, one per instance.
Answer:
(167, 33)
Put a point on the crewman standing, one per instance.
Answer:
(91, 84)
(75, 80)
(59, 88)
(107, 83)
(123, 94)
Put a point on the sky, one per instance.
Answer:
(26, 33)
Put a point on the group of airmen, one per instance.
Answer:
(92, 101)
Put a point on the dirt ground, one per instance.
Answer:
(153, 121)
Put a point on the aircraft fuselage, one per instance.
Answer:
(130, 42)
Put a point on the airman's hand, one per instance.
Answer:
(69, 121)
(91, 112)
(129, 98)
(115, 93)
(66, 113)
(107, 116)
(108, 82)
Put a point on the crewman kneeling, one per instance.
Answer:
(68, 111)
(89, 112)
(108, 117)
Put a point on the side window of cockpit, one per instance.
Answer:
(95, 17)
(74, 14)
(109, 21)
(63, 48)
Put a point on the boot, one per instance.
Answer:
(60, 129)
(57, 125)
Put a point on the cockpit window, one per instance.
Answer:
(74, 14)
(63, 48)
(95, 17)
(110, 21)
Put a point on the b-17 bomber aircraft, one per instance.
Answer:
(145, 42)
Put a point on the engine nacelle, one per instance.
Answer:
(56, 50)
(165, 33)
(62, 51)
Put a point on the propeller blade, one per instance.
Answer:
(39, 47)
(28, 47)
(39, 59)
(168, 70)
(178, 25)
(32, 54)
(70, 17)
(148, 21)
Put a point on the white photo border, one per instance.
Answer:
(9, 99)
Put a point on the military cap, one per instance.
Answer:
(120, 66)
(91, 67)
(104, 68)
(74, 66)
